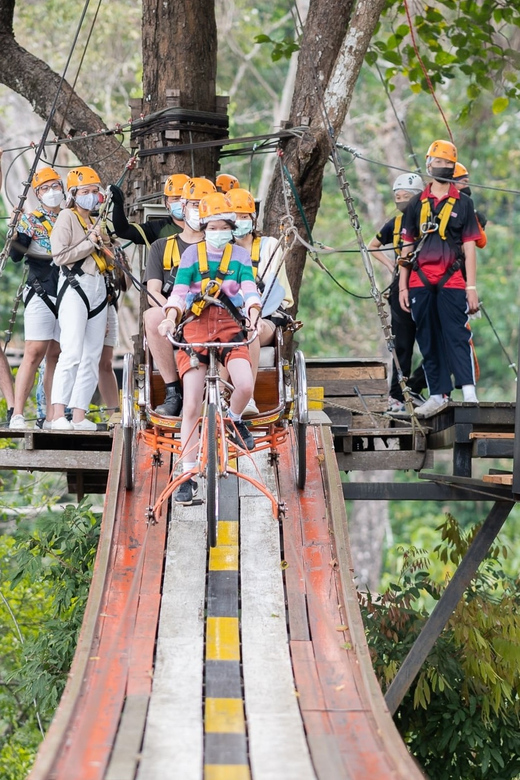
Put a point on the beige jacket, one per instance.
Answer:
(70, 244)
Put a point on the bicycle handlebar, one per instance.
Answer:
(209, 344)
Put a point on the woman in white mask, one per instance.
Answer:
(78, 248)
(269, 272)
(41, 328)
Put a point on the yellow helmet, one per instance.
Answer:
(79, 177)
(196, 188)
(242, 201)
(443, 149)
(174, 184)
(460, 171)
(226, 182)
(43, 176)
(215, 206)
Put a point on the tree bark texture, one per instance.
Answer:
(179, 42)
(30, 77)
(335, 40)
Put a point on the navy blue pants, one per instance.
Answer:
(444, 340)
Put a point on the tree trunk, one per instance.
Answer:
(328, 67)
(179, 69)
(30, 77)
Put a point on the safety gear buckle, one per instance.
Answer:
(429, 227)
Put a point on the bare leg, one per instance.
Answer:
(266, 331)
(161, 349)
(32, 357)
(193, 382)
(242, 379)
(6, 380)
(51, 358)
(107, 381)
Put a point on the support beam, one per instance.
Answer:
(419, 491)
(449, 600)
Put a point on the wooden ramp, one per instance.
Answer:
(247, 662)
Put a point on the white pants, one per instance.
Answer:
(112, 329)
(81, 341)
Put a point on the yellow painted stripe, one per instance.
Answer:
(227, 533)
(226, 772)
(222, 639)
(315, 396)
(223, 558)
(224, 716)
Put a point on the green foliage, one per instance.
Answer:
(284, 48)
(45, 582)
(474, 38)
(460, 717)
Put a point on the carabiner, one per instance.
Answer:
(429, 227)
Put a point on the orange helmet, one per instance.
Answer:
(460, 171)
(443, 149)
(174, 184)
(44, 175)
(215, 206)
(242, 201)
(196, 188)
(225, 182)
(79, 177)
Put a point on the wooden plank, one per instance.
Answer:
(483, 435)
(174, 729)
(276, 736)
(54, 460)
(126, 753)
(353, 372)
(498, 479)
(380, 461)
(347, 387)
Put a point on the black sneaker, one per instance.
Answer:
(240, 435)
(186, 492)
(172, 403)
(9, 415)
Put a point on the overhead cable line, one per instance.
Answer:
(19, 210)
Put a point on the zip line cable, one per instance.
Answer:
(73, 85)
(511, 363)
(19, 209)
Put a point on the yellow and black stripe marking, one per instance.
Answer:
(225, 740)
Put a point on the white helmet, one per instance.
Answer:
(409, 181)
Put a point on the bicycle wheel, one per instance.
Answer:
(300, 417)
(212, 476)
(128, 422)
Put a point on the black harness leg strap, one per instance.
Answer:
(37, 288)
(71, 280)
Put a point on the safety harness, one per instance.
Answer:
(35, 285)
(72, 277)
(431, 224)
(171, 261)
(209, 286)
(397, 235)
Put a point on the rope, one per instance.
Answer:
(423, 68)
(19, 210)
(511, 363)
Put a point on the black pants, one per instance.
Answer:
(403, 328)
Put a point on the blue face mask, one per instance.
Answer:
(218, 238)
(88, 202)
(243, 227)
(176, 210)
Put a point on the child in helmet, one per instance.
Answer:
(149, 231)
(405, 187)
(161, 269)
(41, 327)
(231, 265)
(439, 227)
(268, 270)
(77, 247)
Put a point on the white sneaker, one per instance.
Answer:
(432, 406)
(47, 425)
(61, 424)
(395, 406)
(85, 425)
(251, 408)
(18, 422)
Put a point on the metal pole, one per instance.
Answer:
(516, 445)
(449, 600)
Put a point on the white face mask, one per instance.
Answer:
(219, 238)
(52, 198)
(243, 227)
(176, 209)
(192, 218)
(88, 202)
